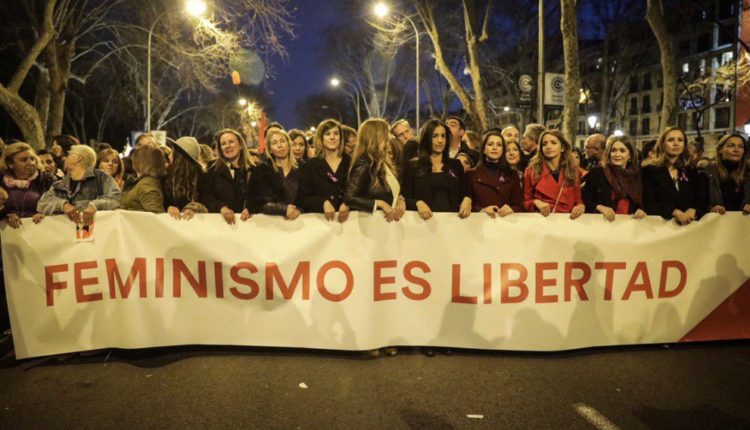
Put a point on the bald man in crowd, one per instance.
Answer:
(594, 148)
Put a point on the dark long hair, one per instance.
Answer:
(181, 181)
(502, 163)
(739, 175)
(424, 162)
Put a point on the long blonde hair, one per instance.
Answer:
(567, 167)
(739, 175)
(272, 132)
(372, 143)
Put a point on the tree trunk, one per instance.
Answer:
(42, 100)
(655, 18)
(25, 117)
(472, 47)
(569, 29)
(59, 57)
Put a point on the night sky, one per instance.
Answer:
(302, 73)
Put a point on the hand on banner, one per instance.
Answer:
(292, 212)
(14, 221)
(492, 211)
(577, 211)
(718, 209)
(329, 211)
(88, 214)
(465, 209)
(424, 211)
(386, 208)
(71, 212)
(245, 215)
(400, 208)
(543, 207)
(691, 214)
(343, 212)
(505, 211)
(188, 214)
(174, 213)
(746, 209)
(228, 215)
(607, 211)
(639, 214)
(681, 217)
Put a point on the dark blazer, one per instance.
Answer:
(318, 183)
(598, 191)
(715, 196)
(217, 188)
(269, 192)
(418, 184)
(660, 197)
(362, 189)
(487, 189)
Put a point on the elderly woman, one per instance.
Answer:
(322, 179)
(552, 182)
(145, 193)
(82, 191)
(24, 183)
(109, 161)
(615, 186)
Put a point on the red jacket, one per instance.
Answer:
(547, 189)
(487, 189)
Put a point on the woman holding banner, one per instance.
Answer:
(434, 182)
(615, 187)
(552, 182)
(373, 177)
(181, 183)
(226, 182)
(494, 188)
(323, 178)
(273, 186)
(24, 182)
(671, 188)
(728, 178)
(145, 193)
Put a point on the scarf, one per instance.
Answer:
(623, 182)
(23, 184)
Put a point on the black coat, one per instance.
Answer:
(318, 183)
(362, 189)
(715, 194)
(598, 191)
(661, 197)
(269, 192)
(218, 188)
(419, 184)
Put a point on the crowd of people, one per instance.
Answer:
(380, 167)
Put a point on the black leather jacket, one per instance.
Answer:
(363, 189)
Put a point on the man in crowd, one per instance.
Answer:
(529, 142)
(594, 148)
(456, 129)
(402, 131)
(511, 134)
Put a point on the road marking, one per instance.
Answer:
(594, 417)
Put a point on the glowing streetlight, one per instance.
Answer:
(619, 133)
(312, 129)
(506, 109)
(381, 10)
(592, 121)
(335, 82)
(196, 7)
(242, 101)
(253, 123)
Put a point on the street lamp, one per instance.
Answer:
(592, 119)
(193, 7)
(618, 133)
(381, 11)
(242, 101)
(747, 126)
(506, 109)
(336, 82)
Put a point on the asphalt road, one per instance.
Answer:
(680, 386)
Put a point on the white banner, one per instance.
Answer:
(523, 282)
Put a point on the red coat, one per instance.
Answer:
(487, 189)
(547, 189)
